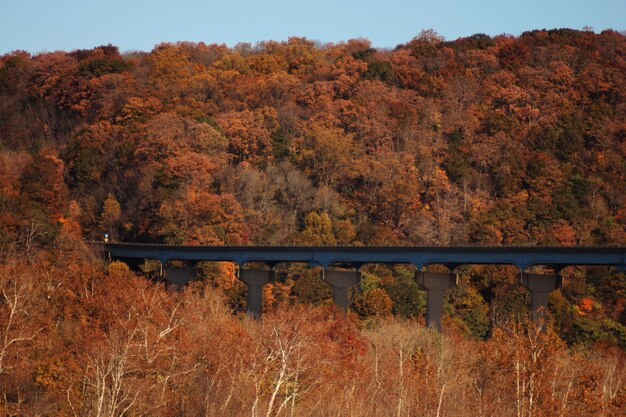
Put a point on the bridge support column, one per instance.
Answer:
(540, 287)
(255, 279)
(341, 282)
(179, 276)
(435, 283)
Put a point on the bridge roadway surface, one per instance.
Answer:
(557, 257)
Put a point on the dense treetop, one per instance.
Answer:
(484, 140)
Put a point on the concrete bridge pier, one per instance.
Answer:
(435, 283)
(540, 287)
(341, 282)
(255, 279)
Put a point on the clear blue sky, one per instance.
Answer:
(48, 25)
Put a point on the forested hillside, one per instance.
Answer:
(482, 140)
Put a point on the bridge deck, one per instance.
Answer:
(521, 256)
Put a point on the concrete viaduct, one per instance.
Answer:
(353, 257)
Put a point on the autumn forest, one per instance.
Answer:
(505, 140)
